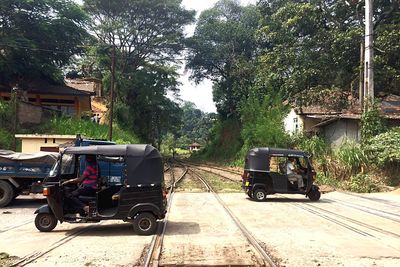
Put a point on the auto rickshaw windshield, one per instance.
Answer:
(67, 166)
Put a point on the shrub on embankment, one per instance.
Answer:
(86, 128)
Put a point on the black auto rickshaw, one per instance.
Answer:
(139, 198)
(265, 173)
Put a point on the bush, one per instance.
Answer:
(372, 124)
(351, 157)
(384, 149)
(225, 142)
(362, 183)
(262, 123)
(87, 129)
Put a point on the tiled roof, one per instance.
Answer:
(43, 87)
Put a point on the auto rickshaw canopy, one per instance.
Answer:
(143, 162)
(258, 159)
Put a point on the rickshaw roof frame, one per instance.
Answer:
(260, 157)
(115, 150)
(143, 162)
(267, 151)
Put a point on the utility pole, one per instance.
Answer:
(361, 74)
(15, 92)
(110, 126)
(369, 55)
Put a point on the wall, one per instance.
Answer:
(338, 131)
(293, 123)
(32, 145)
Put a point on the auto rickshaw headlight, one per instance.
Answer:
(46, 191)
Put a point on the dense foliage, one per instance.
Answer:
(6, 117)
(195, 125)
(223, 49)
(87, 129)
(38, 37)
(261, 58)
(147, 37)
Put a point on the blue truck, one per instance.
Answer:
(23, 173)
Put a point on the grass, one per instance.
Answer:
(190, 184)
(87, 129)
(221, 185)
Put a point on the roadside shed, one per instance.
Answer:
(194, 147)
(32, 143)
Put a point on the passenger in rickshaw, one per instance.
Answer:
(87, 185)
(294, 174)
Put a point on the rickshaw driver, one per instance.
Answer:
(88, 184)
(293, 174)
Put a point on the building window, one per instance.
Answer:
(296, 124)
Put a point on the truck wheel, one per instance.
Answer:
(6, 193)
(45, 222)
(145, 224)
(260, 195)
(314, 195)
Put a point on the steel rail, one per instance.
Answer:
(383, 214)
(38, 254)
(11, 227)
(213, 167)
(264, 255)
(365, 225)
(384, 201)
(153, 255)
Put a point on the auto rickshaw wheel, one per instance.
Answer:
(250, 194)
(145, 223)
(45, 222)
(314, 195)
(260, 194)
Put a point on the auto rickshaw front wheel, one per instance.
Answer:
(314, 195)
(145, 223)
(45, 222)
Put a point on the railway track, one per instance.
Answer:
(372, 199)
(40, 253)
(344, 221)
(153, 255)
(209, 170)
(395, 217)
(267, 260)
(15, 226)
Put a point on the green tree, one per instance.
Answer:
(148, 37)
(262, 122)
(196, 125)
(316, 44)
(39, 37)
(223, 49)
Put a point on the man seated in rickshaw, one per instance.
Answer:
(87, 184)
(294, 174)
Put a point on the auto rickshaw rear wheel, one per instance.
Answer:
(45, 222)
(145, 223)
(260, 194)
(314, 195)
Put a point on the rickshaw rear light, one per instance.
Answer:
(46, 191)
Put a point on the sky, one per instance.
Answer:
(200, 94)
